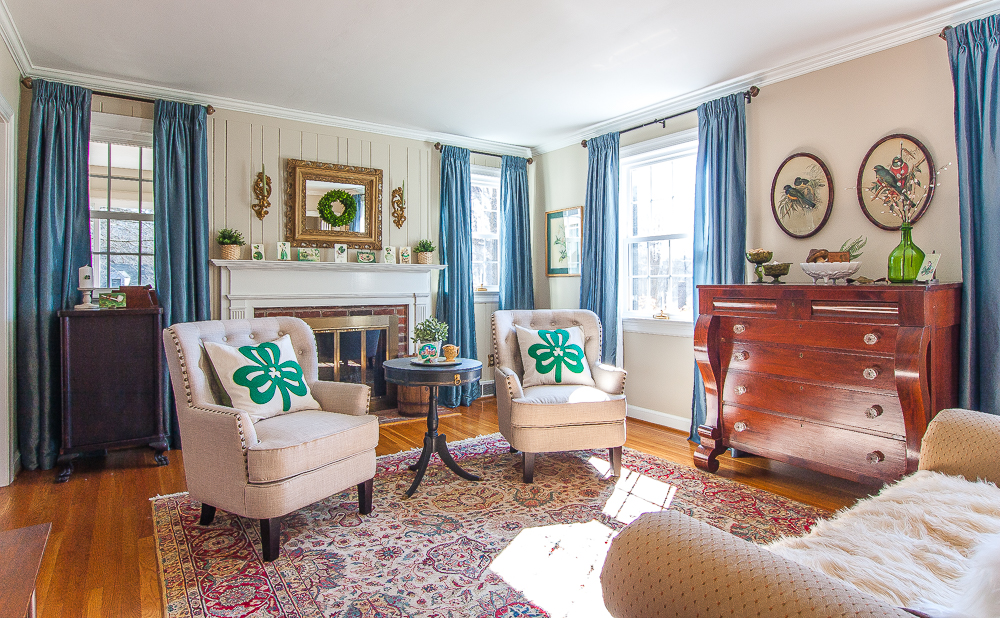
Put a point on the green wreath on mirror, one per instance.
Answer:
(326, 208)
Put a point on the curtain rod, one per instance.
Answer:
(27, 81)
(438, 146)
(749, 94)
(943, 30)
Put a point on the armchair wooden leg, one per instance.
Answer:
(207, 514)
(615, 456)
(270, 538)
(529, 467)
(365, 497)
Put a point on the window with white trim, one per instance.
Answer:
(657, 211)
(486, 227)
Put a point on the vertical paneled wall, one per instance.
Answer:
(240, 143)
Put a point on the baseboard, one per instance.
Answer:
(672, 421)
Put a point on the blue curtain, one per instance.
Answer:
(517, 287)
(974, 52)
(599, 254)
(355, 225)
(720, 209)
(455, 304)
(55, 242)
(180, 186)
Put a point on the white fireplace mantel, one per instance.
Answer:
(246, 285)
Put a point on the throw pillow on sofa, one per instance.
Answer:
(553, 356)
(264, 380)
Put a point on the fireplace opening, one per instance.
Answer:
(353, 349)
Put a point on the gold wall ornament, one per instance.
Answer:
(398, 206)
(262, 190)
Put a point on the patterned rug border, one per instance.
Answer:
(713, 501)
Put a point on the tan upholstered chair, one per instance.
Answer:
(667, 564)
(267, 469)
(547, 419)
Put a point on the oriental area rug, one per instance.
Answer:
(458, 549)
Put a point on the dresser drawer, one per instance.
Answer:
(799, 441)
(859, 409)
(831, 367)
(866, 338)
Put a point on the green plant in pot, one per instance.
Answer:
(424, 249)
(231, 241)
(429, 335)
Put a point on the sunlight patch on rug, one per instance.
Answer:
(457, 549)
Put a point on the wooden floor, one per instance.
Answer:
(101, 560)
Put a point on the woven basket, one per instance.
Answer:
(424, 257)
(231, 252)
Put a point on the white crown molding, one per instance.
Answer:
(12, 39)
(927, 26)
(125, 87)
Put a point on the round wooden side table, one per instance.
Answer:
(403, 371)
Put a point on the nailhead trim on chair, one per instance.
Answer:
(187, 393)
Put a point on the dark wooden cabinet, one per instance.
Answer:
(112, 382)
(840, 379)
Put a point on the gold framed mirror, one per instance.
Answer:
(311, 183)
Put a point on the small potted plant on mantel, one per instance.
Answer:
(231, 242)
(428, 335)
(424, 249)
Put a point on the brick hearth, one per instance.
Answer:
(344, 311)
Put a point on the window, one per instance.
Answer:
(121, 214)
(485, 227)
(657, 226)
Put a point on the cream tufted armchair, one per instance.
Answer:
(270, 468)
(564, 417)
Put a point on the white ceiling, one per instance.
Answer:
(526, 72)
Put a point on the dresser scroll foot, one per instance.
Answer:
(160, 456)
(705, 456)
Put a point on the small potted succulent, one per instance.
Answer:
(231, 242)
(428, 335)
(424, 249)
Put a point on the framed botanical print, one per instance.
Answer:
(802, 195)
(896, 181)
(563, 240)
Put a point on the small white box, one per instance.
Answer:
(340, 253)
(389, 255)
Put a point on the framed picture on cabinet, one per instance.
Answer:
(563, 241)
(896, 181)
(802, 195)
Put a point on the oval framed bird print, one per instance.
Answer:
(802, 195)
(896, 181)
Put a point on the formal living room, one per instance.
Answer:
(522, 310)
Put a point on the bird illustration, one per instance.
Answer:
(798, 197)
(887, 180)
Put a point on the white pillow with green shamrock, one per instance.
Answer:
(553, 356)
(263, 380)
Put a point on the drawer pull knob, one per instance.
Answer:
(871, 338)
(740, 426)
(870, 373)
(874, 411)
(741, 390)
(742, 355)
(739, 329)
(875, 457)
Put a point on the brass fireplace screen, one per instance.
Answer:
(352, 349)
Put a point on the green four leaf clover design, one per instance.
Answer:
(266, 375)
(556, 353)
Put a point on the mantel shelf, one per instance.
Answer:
(327, 266)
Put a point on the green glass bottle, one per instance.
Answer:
(905, 259)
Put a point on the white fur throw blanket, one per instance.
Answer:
(929, 542)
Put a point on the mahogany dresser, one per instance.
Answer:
(112, 382)
(839, 379)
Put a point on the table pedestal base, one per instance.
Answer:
(435, 443)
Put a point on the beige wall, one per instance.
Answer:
(836, 113)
